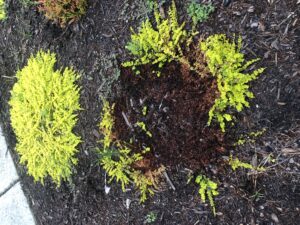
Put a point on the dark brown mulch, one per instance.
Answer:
(269, 31)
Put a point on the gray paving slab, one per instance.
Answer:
(8, 173)
(14, 208)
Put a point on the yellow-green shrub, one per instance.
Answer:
(159, 45)
(227, 63)
(117, 159)
(43, 105)
(2, 10)
(63, 11)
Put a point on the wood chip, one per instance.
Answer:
(290, 151)
(281, 103)
(274, 218)
(169, 180)
(127, 121)
(96, 134)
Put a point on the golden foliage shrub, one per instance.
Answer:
(227, 64)
(157, 45)
(43, 105)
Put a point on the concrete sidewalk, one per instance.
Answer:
(14, 208)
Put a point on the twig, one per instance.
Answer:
(7, 77)
(286, 19)
(127, 121)
(169, 180)
(166, 95)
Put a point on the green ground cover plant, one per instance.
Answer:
(28, 3)
(44, 102)
(227, 64)
(150, 4)
(2, 10)
(63, 12)
(199, 12)
(151, 217)
(157, 45)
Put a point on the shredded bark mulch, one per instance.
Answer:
(178, 103)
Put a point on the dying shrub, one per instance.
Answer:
(63, 12)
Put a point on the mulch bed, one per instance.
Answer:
(177, 114)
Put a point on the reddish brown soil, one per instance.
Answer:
(178, 103)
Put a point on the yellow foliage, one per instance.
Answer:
(142, 183)
(142, 125)
(145, 110)
(257, 133)
(2, 10)
(43, 105)
(117, 159)
(207, 188)
(241, 141)
(236, 163)
(250, 138)
(107, 124)
(159, 45)
(117, 163)
(227, 63)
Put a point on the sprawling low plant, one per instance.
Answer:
(2, 10)
(157, 45)
(117, 159)
(236, 163)
(228, 65)
(63, 12)
(199, 12)
(43, 109)
(118, 162)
